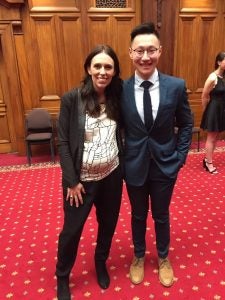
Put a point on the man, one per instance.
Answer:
(154, 153)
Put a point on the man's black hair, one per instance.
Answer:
(144, 28)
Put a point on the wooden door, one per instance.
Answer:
(8, 91)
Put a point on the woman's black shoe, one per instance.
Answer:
(205, 163)
(63, 290)
(102, 274)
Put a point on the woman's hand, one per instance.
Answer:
(74, 195)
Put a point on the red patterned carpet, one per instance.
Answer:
(31, 218)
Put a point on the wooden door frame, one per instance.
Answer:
(11, 111)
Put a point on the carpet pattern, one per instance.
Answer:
(31, 217)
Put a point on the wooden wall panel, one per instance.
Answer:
(11, 111)
(99, 30)
(46, 55)
(43, 54)
(198, 6)
(8, 14)
(52, 32)
(197, 42)
(5, 140)
(222, 32)
(121, 27)
(44, 43)
(54, 5)
(193, 43)
(57, 57)
(163, 14)
(23, 71)
(71, 51)
(113, 26)
(185, 57)
(207, 29)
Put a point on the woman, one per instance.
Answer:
(90, 150)
(213, 102)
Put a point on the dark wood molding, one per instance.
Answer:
(17, 27)
(159, 13)
(11, 3)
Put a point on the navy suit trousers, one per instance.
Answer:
(158, 188)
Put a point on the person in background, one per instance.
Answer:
(90, 153)
(213, 103)
(151, 104)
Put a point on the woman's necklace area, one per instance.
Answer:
(101, 100)
(102, 107)
(220, 76)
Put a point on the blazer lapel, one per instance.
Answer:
(81, 123)
(132, 104)
(162, 95)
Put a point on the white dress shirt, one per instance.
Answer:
(154, 93)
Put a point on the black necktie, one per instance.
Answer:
(147, 104)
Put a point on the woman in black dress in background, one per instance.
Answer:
(213, 102)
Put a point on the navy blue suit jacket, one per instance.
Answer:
(168, 149)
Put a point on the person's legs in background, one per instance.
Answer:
(210, 146)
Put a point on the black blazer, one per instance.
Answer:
(71, 130)
(161, 143)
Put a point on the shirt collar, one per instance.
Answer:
(153, 78)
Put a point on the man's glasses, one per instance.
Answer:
(139, 52)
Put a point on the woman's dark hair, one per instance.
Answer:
(112, 92)
(144, 28)
(220, 56)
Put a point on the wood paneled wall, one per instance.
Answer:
(11, 102)
(163, 13)
(43, 44)
(47, 42)
(199, 37)
(191, 34)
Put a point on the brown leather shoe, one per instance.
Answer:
(165, 272)
(137, 270)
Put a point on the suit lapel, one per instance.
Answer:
(132, 104)
(81, 123)
(81, 114)
(162, 95)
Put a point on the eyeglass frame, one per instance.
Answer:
(141, 52)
